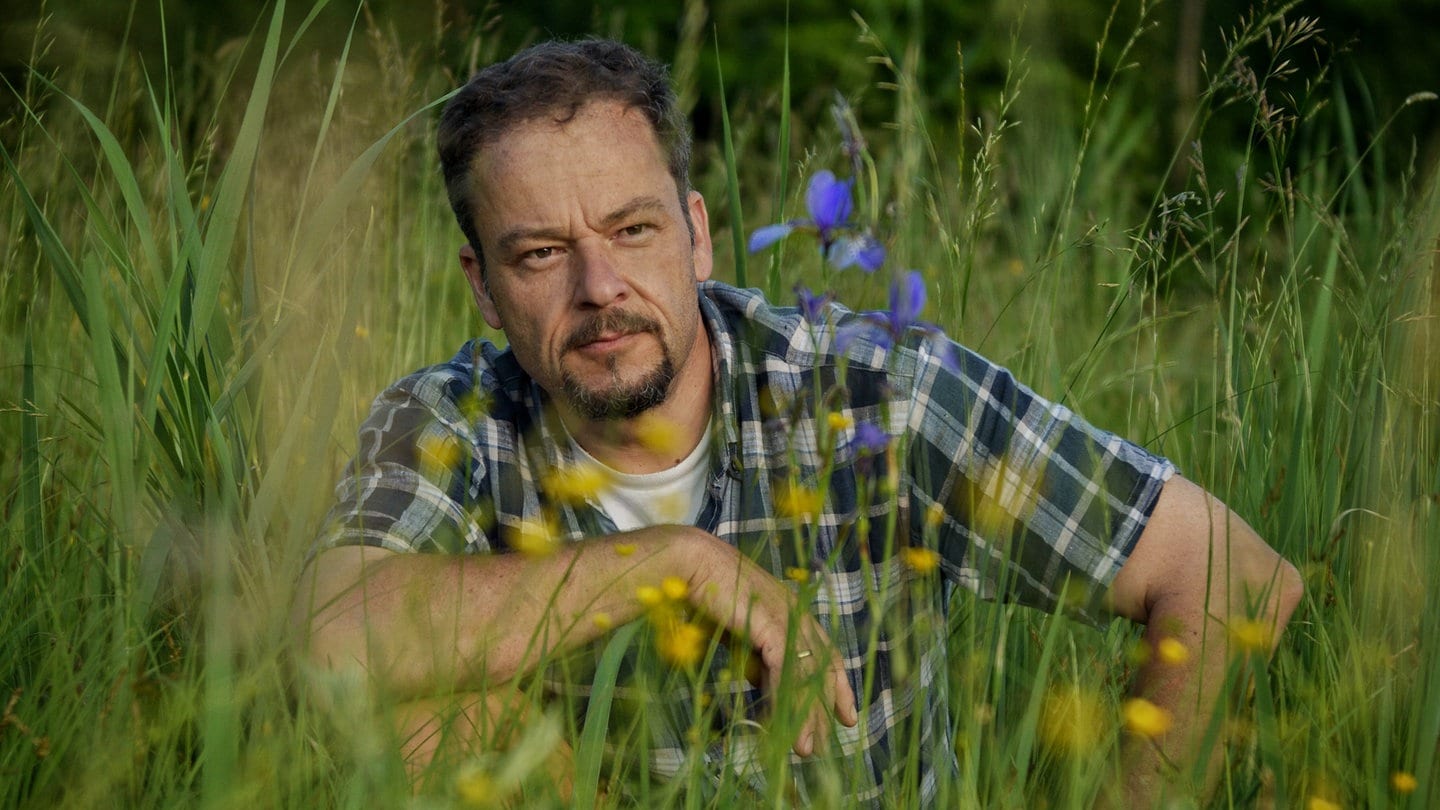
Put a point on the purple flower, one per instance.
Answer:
(829, 204)
(812, 306)
(869, 438)
(907, 299)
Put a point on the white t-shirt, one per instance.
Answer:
(668, 496)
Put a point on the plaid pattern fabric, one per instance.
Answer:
(1021, 499)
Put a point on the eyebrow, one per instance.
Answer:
(642, 204)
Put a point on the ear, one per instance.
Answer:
(471, 265)
(700, 246)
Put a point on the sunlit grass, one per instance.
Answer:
(194, 323)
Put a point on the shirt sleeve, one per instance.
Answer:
(407, 486)
(1025, 500)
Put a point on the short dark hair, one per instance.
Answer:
(555, 79)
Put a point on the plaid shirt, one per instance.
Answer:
(1022, 500)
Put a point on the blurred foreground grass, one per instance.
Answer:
(205, 283)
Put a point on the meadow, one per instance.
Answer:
(209, 271)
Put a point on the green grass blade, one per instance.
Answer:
(782, 173)
(50, 245)
(32, 510)
(597, 717)
(230, 193)
(732, 176)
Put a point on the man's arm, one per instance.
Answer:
(425, 624)
(1196, 570)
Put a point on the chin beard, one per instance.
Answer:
(620, 402)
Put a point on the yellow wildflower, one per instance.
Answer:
(798, 502)
(1145, 718)
(920, 560)
(476, 788)
(1318, 803)
(602, 621)
(624, 549)
(472, 406)
(1404, 782)
(674, 588)
(1249, 635)
(681, 644)
(361, 332)
(536, 537)
(438, 454)
(1070, 719)
(649, 596)
(839, 421)
(576, 483)
(797, 574)
(934, 516)
(1171, 651)
(660, 436)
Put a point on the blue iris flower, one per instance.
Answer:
(829, 204)
(869, 438)
(813, 306)
(907, 299)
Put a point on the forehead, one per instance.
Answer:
(604, 145)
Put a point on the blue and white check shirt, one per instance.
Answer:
(1022, 499)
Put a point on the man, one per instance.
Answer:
(567, 167)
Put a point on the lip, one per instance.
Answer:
(606, 344)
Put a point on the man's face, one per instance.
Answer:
(591, 267)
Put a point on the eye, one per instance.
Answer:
(539, 254)
(636, 230)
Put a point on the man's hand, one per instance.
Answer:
(747, 600)
(421, 625)
(1197, 571)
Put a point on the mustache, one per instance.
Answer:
(610, 323)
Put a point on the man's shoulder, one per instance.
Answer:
(480, 378)
(783, 335)
(759, 331)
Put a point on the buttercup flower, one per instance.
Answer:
(681, 644)
(1145, 718)
(659, 435)
(1404, 782)
(1071, 719)
(1171, 651)
(798, 502)
(437, 453)
(920, 560)
(576, 483)
(476, 788)
(649, 596)
(536, 537)
(797, 574)
(828, 202)
(1249, 635)
(674, 588)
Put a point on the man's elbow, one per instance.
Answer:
(1289, 590)
(1272, 586)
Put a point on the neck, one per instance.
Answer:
(661, 437)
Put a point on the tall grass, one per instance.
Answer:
(201, 296)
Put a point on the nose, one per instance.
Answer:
(598, 281)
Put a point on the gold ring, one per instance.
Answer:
(803, 654)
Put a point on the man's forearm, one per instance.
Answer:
(422, 624)
(1198, 575)
(1188, 682)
